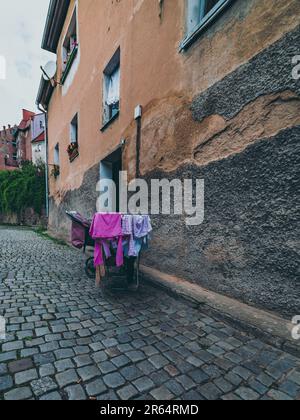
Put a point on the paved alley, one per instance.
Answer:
(67, 340)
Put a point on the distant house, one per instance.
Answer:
(8, 148)
(23, 137)
(38, 143)
(15, 143)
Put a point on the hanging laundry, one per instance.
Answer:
(127, 235)
(127, 229)
(137, 229)
(106, 228)
(141, 226)
(141, 230)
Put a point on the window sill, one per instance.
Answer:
(69, 65)
(110, 122)
(203, 25)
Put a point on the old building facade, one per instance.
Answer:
(38, 139)
(24, 136)
(220, 101)
(8, 149)
(15, 143)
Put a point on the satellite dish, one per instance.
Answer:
(49, 70)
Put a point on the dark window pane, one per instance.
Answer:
(209, 4)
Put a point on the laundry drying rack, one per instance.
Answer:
(126, 277)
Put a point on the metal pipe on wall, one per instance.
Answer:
(138, 145)
(47, 160)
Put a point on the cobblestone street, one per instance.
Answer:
(66, 340)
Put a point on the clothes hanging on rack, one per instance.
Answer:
(126, 234)
(107, 227)
(127, 229)
(137, 229)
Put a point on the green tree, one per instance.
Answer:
(22, 189)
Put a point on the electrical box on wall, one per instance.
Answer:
(138, 112)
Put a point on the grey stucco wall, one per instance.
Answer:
(248, 245)
(267, 73)
(83, 200)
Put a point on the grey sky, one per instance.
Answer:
(21, 29)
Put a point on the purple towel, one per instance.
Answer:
(141, 226)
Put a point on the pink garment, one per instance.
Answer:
(80, 226)
(107, 227)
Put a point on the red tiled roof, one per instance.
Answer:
(27, 114)
(40, 138)
(26, 121)
(23, 125)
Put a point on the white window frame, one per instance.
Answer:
(73, 21)
(204, 20)
(113, 66)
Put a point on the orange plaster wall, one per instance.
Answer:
(153, 74)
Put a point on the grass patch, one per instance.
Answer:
(42, 232)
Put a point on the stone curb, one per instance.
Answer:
(267, 326)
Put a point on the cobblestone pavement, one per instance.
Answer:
(66, 340)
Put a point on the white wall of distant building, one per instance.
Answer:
(39, 152)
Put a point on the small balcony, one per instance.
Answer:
(69, 63)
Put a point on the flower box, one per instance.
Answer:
(73, 151)
(55, 171)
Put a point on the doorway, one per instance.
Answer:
(110, 168)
